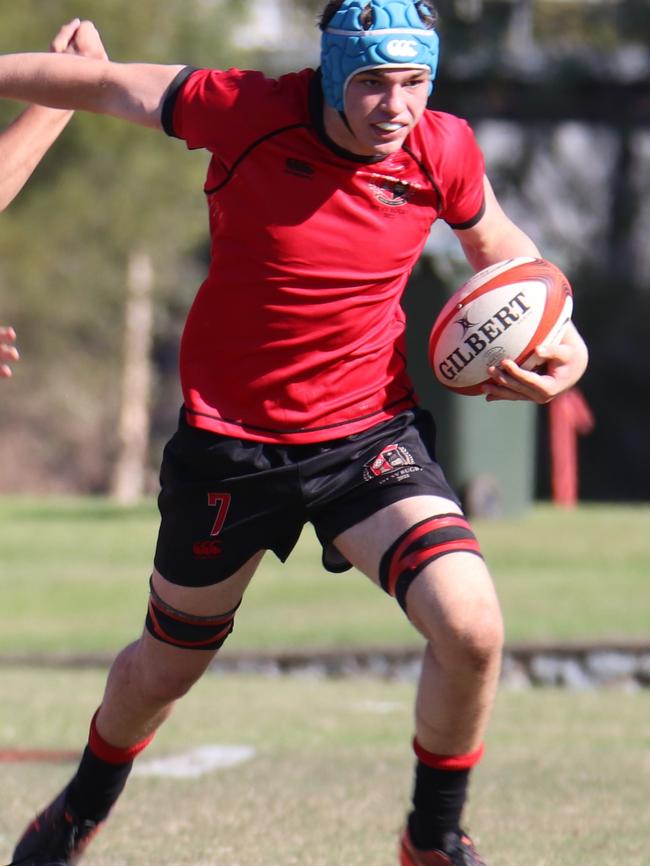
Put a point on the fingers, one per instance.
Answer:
(64, 37)
(8, 352)
(88, 43)
(79, 37)
(511, 382)
(494, 394)
(561, 366)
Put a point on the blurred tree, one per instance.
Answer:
(556, 89)
(128, 481)
(106, 189)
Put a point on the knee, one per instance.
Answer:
(479, 644)
(464, 630)
(471, 643)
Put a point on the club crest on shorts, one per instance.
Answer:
(393, 463)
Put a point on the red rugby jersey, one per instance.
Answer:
(297, 334)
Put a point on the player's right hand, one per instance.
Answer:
(79, 37)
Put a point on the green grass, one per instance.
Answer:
(564, 781)
(573, 574)
(73, 578)
(565, 778)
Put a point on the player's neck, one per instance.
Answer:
(338, 130)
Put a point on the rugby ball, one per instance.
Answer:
(504, 311)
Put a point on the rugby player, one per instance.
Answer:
(321, 189)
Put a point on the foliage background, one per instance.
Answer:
(547, 85)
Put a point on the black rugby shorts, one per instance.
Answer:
(223, 499)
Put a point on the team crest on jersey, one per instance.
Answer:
(393, 463)
(390, 192)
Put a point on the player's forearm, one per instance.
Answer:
(54, 80)
(23, 144)
(132, 92)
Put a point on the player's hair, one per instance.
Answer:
(426, 10)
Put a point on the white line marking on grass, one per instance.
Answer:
(195, 762)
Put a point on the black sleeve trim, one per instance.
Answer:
(169, 99)
(470, 223)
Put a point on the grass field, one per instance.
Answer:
(565, 780)
(73, 577)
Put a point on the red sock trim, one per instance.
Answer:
(113, 754)
(448, 762)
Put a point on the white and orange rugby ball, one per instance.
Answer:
(504, 311)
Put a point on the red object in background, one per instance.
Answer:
(569, 417)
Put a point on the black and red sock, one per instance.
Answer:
(439, 795)
(101, 776)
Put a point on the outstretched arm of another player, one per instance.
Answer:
(26, 140)
(132, 91)
(23, 144)
(495, 238)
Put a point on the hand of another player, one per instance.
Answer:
(8, 351)
(79, 37)
(564, 364)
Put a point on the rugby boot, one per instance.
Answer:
(56, 837)
(458, 851)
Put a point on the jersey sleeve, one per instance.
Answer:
(464, 197)
(212, 109)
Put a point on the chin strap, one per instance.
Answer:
(345, 120)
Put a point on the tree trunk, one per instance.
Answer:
(129, 472)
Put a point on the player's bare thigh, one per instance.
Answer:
(170, 670)
(365, 543)
(211, 600)
(454, 593)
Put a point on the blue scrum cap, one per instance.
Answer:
(397, 37)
